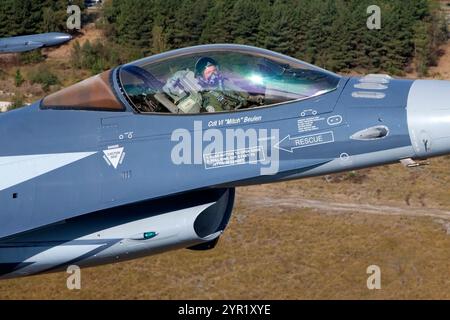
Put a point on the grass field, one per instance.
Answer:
(289, 252)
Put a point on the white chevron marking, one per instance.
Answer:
(18, 169)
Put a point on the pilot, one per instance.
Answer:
(219, 94)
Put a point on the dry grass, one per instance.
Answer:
(290, 253)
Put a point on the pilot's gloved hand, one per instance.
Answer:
(210, 109)
(258, 99)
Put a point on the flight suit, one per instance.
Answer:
(215, 101)
(229, 99)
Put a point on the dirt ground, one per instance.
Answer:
(89, 32)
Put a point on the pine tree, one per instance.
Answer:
(18, 79)
(159, 39)
(276, 28)
(189, 23)
(421, 48)
(218, 28)
(134, 23)
(244, 22)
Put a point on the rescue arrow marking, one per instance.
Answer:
(289, 143)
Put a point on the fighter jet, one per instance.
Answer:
(32, 42)
(145, 157)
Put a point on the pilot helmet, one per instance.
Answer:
(202, 65)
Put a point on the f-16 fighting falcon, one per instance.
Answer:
(145, 157)
(32, 42)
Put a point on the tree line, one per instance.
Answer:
(330, 33)
(19, 17)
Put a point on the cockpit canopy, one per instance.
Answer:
(210, 78)
(216, 78)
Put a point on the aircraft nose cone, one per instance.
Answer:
(64, 37)
(428, 112)
(55, 38)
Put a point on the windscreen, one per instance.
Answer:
(221, 81)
